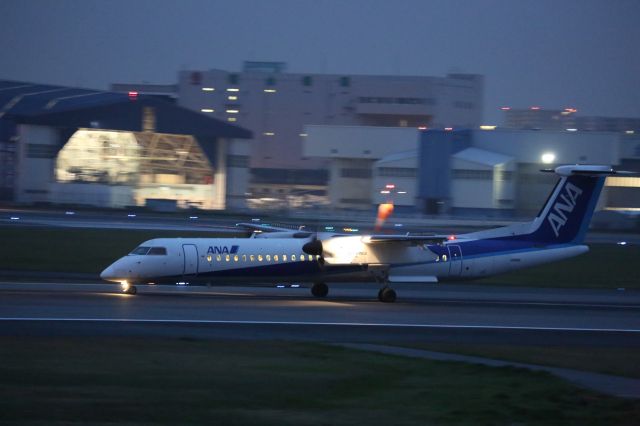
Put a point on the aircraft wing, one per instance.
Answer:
(416, 239)
(290, 232)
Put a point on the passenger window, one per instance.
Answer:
(244, 257)
(310, 257)
(268, 258)
(158, 251)
(218, 258)
(252, 257)
(259, 258)
(444, 257)
(302, 257)
(209, 258)
(284, 257)
(235, 258)
(227, 258)
(140, 250)
(293, 257)
(275, 258)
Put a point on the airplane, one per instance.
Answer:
(273, 254)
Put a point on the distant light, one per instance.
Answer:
(385, 191)
(630, 132)
(131, 215)
(133, 95)
(548, 157)
(232, 111)
(232, 97)
(570, 110)
(280, 286)
(270, 90)
(269, 134)
(422, 128)
(487, 127)
(451, 237)
(505, 108)
(398, 225)
(448, 129)
(534, 108)
(295, 285)
(207, 110)
(389, 186)
(193, 217)
(14, 218)
(232, 119)
(402, 192)
(304, 135)
(572, 130)
(233, 89)
(328, 228)
(69, 212)
(622, 243)
(208, 89)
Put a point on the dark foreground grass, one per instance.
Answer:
(617, 360)
(95, 381)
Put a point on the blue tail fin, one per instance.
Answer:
(566, 215)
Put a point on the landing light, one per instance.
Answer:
(124, 285)
(622, 243)
(548, 157)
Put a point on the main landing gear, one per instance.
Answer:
(319, 289)
(387, 294)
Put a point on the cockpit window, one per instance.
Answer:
(140, 250)
(158, 251)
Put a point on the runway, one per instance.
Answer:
(451, 313)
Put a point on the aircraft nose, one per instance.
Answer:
(108, 274)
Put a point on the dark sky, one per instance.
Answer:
(552, 53)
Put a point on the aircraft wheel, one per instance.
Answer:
(132, 290)
(387, 295)
(319, 289)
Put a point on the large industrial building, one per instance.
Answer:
(63, 145)
(537, 118)
(493, 172)
(277, 105)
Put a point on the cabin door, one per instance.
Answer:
(455, 261)
(190, 259)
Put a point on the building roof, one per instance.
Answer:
(68, 107)
(399, 156)
(482, 156)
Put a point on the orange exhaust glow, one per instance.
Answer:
(384, 211)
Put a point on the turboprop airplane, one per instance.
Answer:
(282, 255)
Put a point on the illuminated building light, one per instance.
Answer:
(270, 90)
(448, 129)
(565, 112)
(487, 127)
(402, 192)
(269, 134)
(629, 132)
(389, 186)
(233, 89)
(133, 95)
(304, 135)
(208, 89)
(534, 108)
(572, 130)
(232, 111)
(207, 110)
(422, 127)
(548, 157)
(505, 108)
(232, 119)
(232, 98)
(385, 191)
(570, 110)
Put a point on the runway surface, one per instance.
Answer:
(352, 313)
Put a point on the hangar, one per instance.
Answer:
(63, 145)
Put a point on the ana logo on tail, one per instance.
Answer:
(566, 203)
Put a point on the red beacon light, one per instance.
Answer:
(390, 186)
(133, 95)
(451, 237)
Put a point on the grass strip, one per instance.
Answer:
(151, 381)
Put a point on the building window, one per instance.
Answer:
(396, 172)
(234, 79)
(307, 80)
(241, 161)
(355, 173)
(345, 81)
(270, 81)
(473, 174)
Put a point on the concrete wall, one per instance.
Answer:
(37, 148)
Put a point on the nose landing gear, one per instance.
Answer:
(387, 295)
(128, 288)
